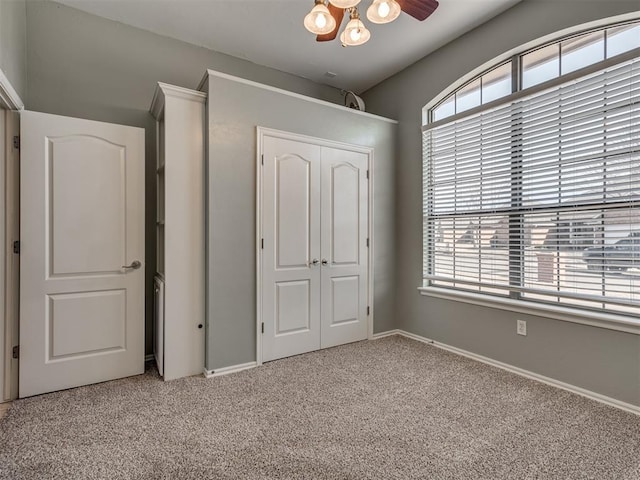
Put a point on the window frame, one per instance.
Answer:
(516, 73)
(514, 302)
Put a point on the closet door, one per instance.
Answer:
(344, 227)
(290, 260)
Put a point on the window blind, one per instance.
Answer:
(539, 198)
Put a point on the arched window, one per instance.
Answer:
(532, 176)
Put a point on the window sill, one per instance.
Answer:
(609, 321)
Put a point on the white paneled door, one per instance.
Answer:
(344, 226)
(82, 252)
(314, 253)
(291, 255)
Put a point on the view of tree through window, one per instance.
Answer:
(539, 197)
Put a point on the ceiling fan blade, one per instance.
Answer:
(338, 15)
(418, 9)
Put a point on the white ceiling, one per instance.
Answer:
(270, 33)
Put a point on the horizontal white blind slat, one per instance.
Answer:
(540, 198)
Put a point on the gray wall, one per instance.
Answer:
(235, 109)
(13, 35)
(604, 361)
(84, 66)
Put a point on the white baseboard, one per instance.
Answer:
(612, 402)
(227, 370)
(388, 333)
(149, 358)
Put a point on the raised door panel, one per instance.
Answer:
(293, 222)
(87, 236)
(86, 323)
(345, 214)
(345, 300)
(293, 313)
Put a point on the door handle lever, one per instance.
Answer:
(324, 262)
(135, 265)
(314, 262)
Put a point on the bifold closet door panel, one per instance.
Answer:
(291, 234)
(344, 230)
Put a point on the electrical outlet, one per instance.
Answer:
(522, 327)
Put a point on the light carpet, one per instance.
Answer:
(385, 409)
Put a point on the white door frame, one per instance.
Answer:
(262, 132)
(4, 157)
(10, 103)
(11, 272)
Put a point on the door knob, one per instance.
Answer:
(314, 262)
(324, 262)
(135, 265)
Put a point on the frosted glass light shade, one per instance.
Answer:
(355, 33)
(344, 3)
(383, 11)
(319, 20)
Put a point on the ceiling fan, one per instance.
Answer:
(325, 19)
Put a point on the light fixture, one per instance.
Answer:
(355, 33)
(327, 16)
(383, 11)
(344, 3)
(319, 20)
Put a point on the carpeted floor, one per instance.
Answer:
(386, 409)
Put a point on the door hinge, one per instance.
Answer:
(262, 243)
(368, 310)
(367, 243)
(16, 247)
(262, 327)
(367, 174)
(16, 142)
(16, 352)
(262, 159)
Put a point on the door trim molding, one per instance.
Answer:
(262, 132)
(11, 102)
(10, 312)
(9, 98)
